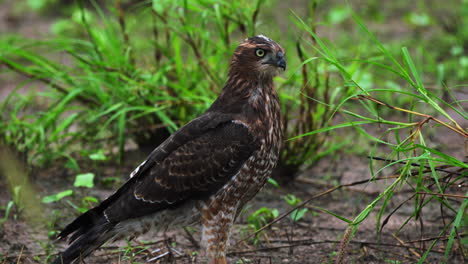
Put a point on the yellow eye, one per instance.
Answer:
(260, 52)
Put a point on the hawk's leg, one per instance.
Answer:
(217, 221)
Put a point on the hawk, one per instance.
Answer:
(206, 171)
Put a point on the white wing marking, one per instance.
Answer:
(137, 169)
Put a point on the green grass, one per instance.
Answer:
(413, 151)
(144, 84)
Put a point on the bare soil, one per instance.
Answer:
(314, 239)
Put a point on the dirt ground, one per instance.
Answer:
(314, 239)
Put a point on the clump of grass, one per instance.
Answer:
(23, 203)
(111, 89)
(138, 73)
(310, 112)
(431, 175)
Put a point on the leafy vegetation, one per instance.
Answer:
(112, 90)
(118, 73)
(421, 169)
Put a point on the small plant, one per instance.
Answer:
(273, 182)
(81, 180)
(14, 207)
(48, 248)
(7, 210)
(84, 180)
(129, 252)
(18, 200)
(57, 197)
(260, 218)
(299, 213)
(52, 223)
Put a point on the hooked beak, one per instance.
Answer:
(279, 61)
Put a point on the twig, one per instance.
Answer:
(141, 243)
(404, 244)
(227, 41)
(307, 242)
(446, 195)
(255, 14)
(385, 221)
(390, 252)
(20, 255)
(157, 51)
(121, 17)
(433, 238)
(413, 164)
(188, 38)
(459, 240)
(455, 128)
(329, 185)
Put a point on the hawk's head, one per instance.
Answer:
(258, 55)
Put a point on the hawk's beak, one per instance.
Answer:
(280, 61)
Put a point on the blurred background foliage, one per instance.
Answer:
(114, 72)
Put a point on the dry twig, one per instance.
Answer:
(404, 244)
(455, 127)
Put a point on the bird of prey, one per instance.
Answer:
(206, 171)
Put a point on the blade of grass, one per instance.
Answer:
(457, 225)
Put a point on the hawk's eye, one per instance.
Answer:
(260, 52)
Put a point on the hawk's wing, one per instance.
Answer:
(192, 164)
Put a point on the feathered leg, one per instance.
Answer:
(216, 223)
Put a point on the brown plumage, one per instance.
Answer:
(206, 171)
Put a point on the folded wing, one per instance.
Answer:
(194, 163)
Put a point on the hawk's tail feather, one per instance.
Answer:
(86, 243)
(81, 225)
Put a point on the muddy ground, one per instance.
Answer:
(313, 239)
